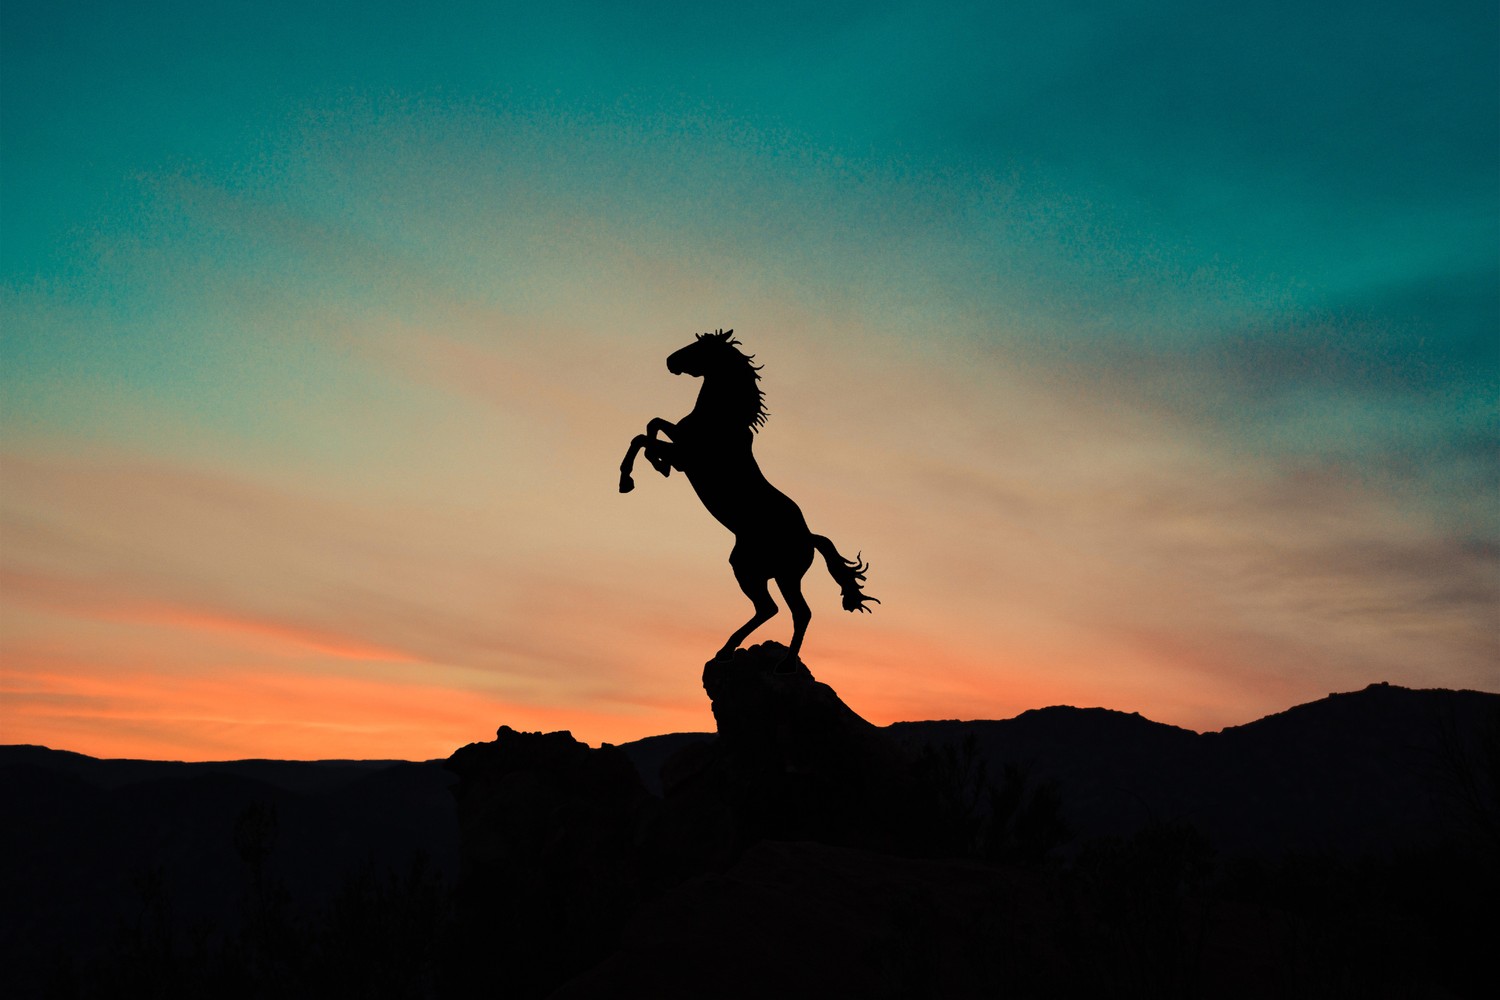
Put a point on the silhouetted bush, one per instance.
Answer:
(1399, 926)
(1015, 820)
(1469, 781)
(378, 937)
(1138, 915)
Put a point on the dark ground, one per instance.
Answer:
(1341, 848)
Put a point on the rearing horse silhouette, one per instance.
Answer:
(712, 447)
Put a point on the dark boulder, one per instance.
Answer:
(791, 762)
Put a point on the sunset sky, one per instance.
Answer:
(1150, 352)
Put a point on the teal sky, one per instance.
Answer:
(1151, 353)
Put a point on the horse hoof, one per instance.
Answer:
(626, 484)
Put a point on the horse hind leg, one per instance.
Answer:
(791, 591)
(759, 592)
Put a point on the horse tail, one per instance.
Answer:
(847, 573)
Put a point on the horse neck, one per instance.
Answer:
(725, 398)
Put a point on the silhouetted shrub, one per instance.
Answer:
(1398, 926)
(379, 936)
(1138, 912)
(1015, 820)
(1468, 772)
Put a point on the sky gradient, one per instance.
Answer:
(1149, 352)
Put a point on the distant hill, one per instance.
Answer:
(1362, 773)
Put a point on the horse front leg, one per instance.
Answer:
(636, 444)
(658, 453)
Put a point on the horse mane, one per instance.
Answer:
(747, 374)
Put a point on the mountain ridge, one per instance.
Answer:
(17, 749)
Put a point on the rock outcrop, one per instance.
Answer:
(791, 762)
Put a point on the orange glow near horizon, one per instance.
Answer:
(268, 700)
(278, 691)
(154, 692)
(280, 716)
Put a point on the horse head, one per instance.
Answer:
(708, 354)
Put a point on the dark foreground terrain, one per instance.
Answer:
(1348, 847)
